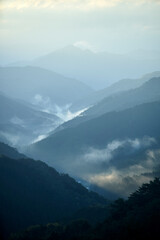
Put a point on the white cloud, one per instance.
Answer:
(120, 172)
(84, 45)
(44, 102)
(105, 155)
(17, 121)
(125, 181)
(63, 112)
(77, 4)
(102, 155)
(144, 142)
(118, 182)
(11, 138)
(39, 138)
(18, 4)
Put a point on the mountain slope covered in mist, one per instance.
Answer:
(41, 86)
(21, 123)
(148, 92)
(120, 86)
(98, 70)
(86, 143)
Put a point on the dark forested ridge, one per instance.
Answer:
(33, 193)
(10, 152)
(136, 218)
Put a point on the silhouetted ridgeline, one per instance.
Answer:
(33, 193)
(11, 152)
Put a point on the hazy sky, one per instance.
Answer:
(30, 28)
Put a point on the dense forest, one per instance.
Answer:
(37, 202)
(136, 218)
(34, 193)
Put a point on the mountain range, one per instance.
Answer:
(110, 138)
(120, 86)
(41, 86)
(97, 69)
(116, 145)
(147, 92)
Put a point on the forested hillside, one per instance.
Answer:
(34, 193)
(136, 219)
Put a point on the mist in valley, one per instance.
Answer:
(79, 108)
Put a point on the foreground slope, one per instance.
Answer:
(33, 193)
(134, 218)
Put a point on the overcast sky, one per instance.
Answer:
(30, 28)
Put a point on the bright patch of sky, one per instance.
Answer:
(31, 28)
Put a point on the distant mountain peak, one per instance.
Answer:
(71, 50)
